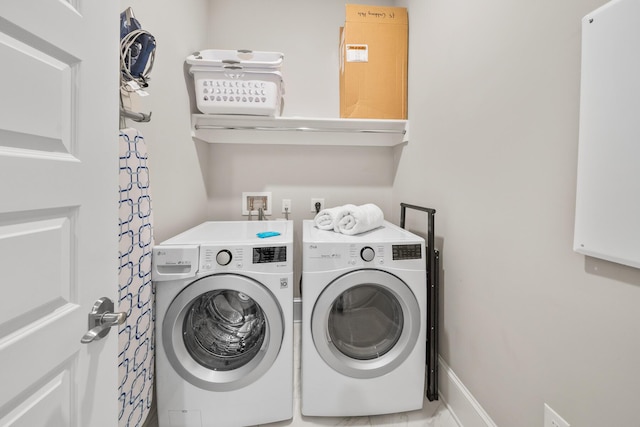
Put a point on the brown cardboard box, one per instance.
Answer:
(373, 62)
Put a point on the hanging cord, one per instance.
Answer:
(131, 42)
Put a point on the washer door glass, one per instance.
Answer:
(223, 332)
(365, 323)
(224, 329)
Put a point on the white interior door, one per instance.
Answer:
(58, 210)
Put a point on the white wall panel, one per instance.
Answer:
(607, 221)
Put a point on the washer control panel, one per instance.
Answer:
(270, 254)
(217, 258)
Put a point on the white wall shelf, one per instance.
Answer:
(298, 130)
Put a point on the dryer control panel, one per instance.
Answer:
(406, 251)
(328, 256)
(387, 246)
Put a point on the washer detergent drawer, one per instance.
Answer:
(174, 262)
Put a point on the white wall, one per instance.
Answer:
(177, 163)
(493, 105)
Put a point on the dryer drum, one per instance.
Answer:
(224, 329)
(365, 322)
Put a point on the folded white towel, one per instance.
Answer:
(359, 219)
(342, 212)
(326, 219)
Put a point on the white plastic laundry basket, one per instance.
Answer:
(237, 81)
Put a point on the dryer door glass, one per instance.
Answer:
(223, 329)
(365, 322)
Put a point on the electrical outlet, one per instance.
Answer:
(552, 419)
(313, 205)
(286, 205)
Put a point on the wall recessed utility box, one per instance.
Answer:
(373, 62)
(253, 202)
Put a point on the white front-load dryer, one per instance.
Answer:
(224, 325)
(363, 322)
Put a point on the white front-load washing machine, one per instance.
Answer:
(363, 322)
(224, 324)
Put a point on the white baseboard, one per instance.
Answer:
(463, 406)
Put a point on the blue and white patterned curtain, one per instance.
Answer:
(136, 294)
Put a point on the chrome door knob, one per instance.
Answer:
(101, 319)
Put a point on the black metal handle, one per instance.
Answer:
(433, 257)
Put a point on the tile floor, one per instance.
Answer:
(433, 414)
